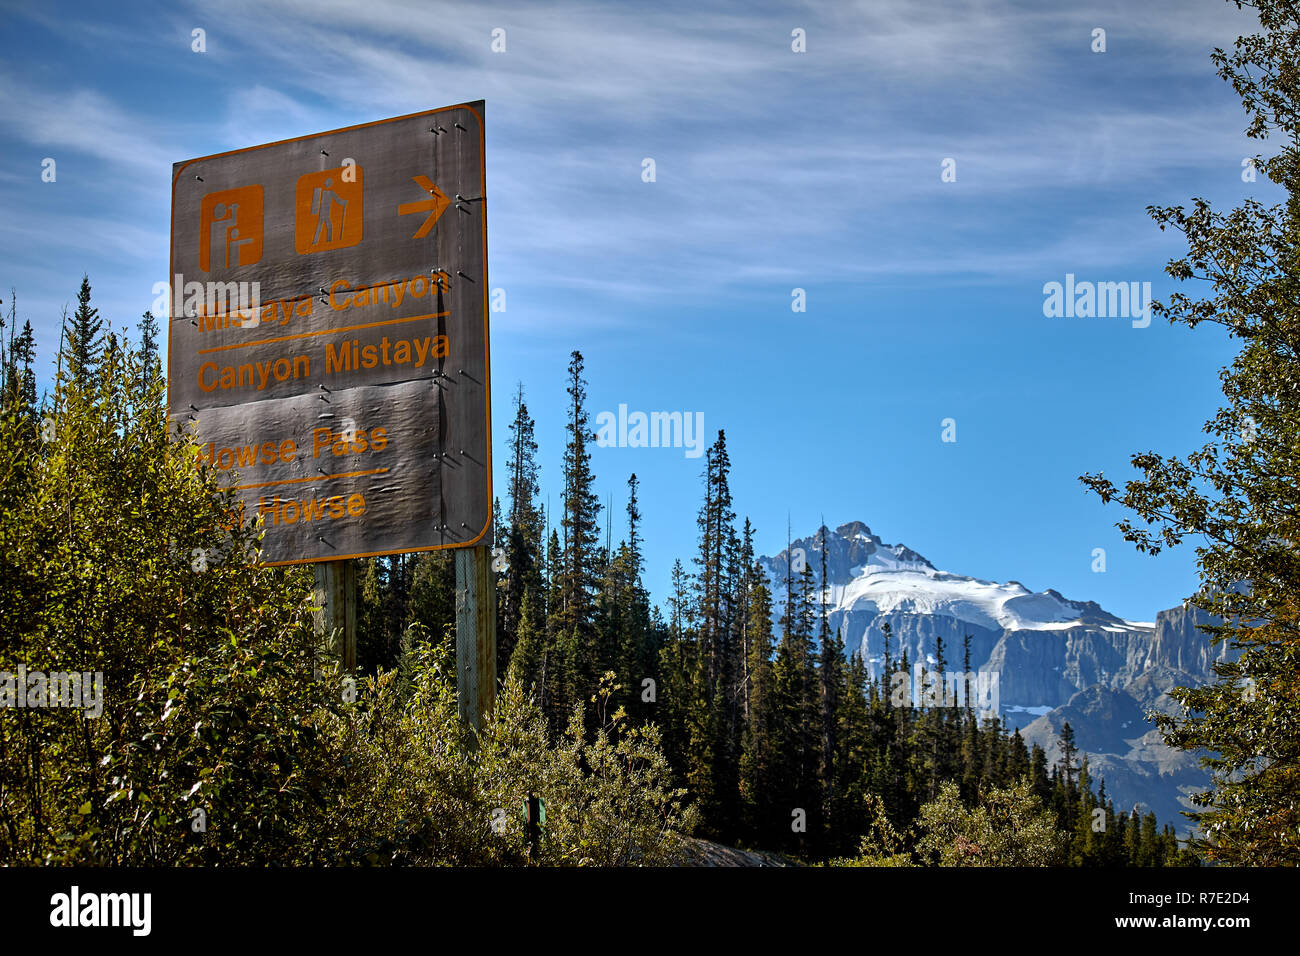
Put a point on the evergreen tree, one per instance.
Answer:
(529, 651)
(850, 810)
(83, 341)
(1068, 753)
(831, 674)
(745, 583)
(1038, 773)
(797, 718)
(375, 648)
(1018, 759)
(550, 683)
(716, 523)
(522, 535)
(572, 615)
(633, 639)
(758, 757)
(17, 378)
(149, 345)
(677, 670)
(718, 644)
(431, 599)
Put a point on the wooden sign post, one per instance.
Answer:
(476, 635)
(336, 621)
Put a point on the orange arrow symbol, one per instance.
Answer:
(435, 206)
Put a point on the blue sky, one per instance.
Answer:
(774, 170)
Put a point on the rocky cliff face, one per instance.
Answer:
(1179, 644)
(1057, 659)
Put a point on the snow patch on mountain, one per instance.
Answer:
(1056, 658)
(865, 575)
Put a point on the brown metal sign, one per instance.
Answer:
(328, 338)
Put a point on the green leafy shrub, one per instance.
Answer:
(417, 788)
(225, 736)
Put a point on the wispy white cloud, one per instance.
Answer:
(767, 160)
(87, 122)
(771, 165)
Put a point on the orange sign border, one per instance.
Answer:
(471, 108)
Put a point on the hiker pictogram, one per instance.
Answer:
(329, 210)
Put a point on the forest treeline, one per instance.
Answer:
(782, 741)
(225, 736)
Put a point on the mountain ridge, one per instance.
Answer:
(1057, 659)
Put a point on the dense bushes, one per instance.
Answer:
(418, 790)
(225, 737)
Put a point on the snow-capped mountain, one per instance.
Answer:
(1056, 659)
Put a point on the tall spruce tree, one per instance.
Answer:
(637, 644)
(17, 374)
(716, 523)
(149, 345)
(798, 718)
(717, 640)
(572, 615)
(830, 670)
(82, 339)
(849, 809)
(758, 754)
(523, 532)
